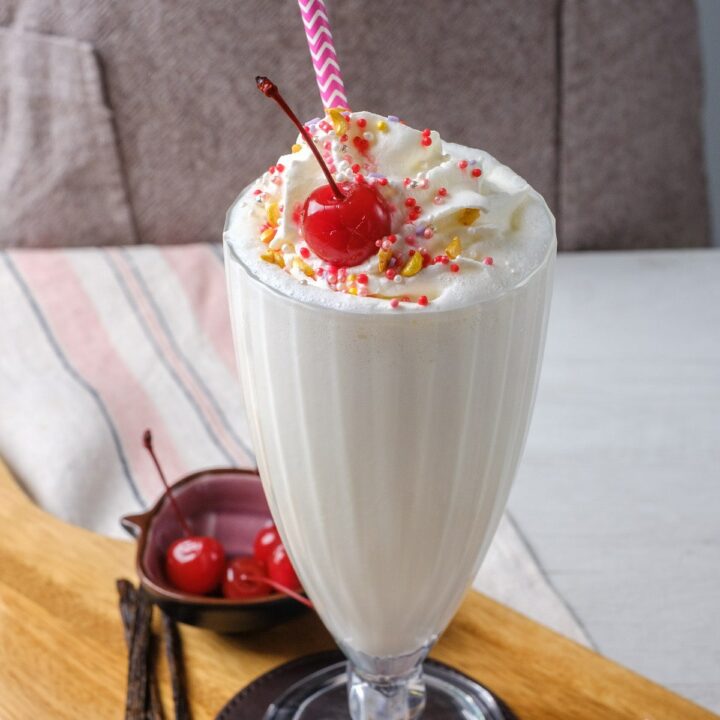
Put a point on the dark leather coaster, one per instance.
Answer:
(252, 702)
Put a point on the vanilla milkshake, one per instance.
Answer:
(390, 399)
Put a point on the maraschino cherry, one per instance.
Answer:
(194, 563)
(340, 222)
(266, 541)
(280, 569)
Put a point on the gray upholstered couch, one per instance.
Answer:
(137, 121)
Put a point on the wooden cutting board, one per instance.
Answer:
(63, 657)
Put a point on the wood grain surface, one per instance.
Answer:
(63, 657)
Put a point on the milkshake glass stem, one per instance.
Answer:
(386, 688)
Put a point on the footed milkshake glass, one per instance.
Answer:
(387, 443)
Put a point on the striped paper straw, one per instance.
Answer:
(322, 51)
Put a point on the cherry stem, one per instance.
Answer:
(279, 587)
(147, 442)
(269, 89)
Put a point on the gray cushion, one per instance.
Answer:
(188, 129)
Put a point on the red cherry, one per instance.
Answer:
(265, 542)
(237, 582)
(280, 569)
(341, 222)
(195, 564)
(343, 230)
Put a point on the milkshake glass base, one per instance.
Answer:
(323, 695)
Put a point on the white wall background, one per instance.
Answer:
(709, 13)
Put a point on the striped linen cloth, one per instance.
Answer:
(97, 344)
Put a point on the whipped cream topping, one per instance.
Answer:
(465, 227)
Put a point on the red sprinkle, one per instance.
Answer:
(477, 172)
(279, 167)
(355, 168)
(463, 164)
(394, 303)
(390, 274)
(426, 141)
(257, 191)
(271, 169)
(392, 239)
(454, 268)
(442, 192)
(488, 261)
(409, 202)
(362, 122)
(406, 181)
(305, 252)
(362, 279)
(382, 181)
(426, 131)
(422, 300)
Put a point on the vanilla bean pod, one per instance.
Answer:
(174, 652)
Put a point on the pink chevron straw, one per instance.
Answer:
(322, 51)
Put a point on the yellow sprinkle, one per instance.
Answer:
(268, 234)
(352, 291)
(413, 266)
(272, 212)
(279, 259)
(268, 256)
(383, 260)
(468, 216)
(351, 277)
(296, 148)
(382, 126)
(338, 121)
(302, 265)
(454, 248)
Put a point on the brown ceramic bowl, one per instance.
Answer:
(229, 505)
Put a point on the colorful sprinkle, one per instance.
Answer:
(423, 301)
(361, 122)
(305, 252)
(272, 213)
(339, 123)
(454, 248)
(410, 202)
(394, 303)
(454, 267)
(442, 192)
(476, 172)
(382, 126)
(468, 216)
(302, 265)
(463, 164)
(384, 260)
(413, 266)
(362, 279)
(487, 261)
(426, 141)
(268, 234)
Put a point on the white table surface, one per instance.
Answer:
(619, 491)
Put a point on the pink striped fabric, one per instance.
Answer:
(99, 344)
(322, 52)
(108, 342)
